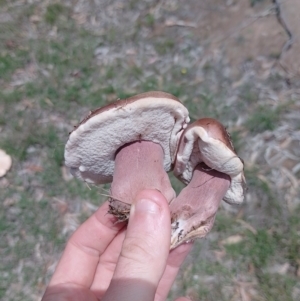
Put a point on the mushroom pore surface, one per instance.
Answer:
(140, 165)
(193, 211)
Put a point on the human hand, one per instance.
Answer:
(103, 260)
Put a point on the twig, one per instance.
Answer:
(282, 22)
(180, 23)
(247, 23)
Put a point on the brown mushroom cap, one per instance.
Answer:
(207, 140)
(153, 116)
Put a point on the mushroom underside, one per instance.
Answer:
(92, 146)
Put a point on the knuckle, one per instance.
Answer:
(137, 250)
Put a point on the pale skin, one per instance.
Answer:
(105, 261)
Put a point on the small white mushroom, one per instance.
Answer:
(5, 163)
(207, 163)
(131, 143)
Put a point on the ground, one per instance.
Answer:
(225, 59)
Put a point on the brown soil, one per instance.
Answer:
(246, 33)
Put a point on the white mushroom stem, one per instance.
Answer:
(193, 211)
(140, 165)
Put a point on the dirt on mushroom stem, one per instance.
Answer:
(193, 211)
(138, 166)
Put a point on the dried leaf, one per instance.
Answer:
(119, 209)
(247, 226)
(9, 202)
(181, 23)
(280, 269)
(220, 254)
(49, 102)
(244, 295)
(34, 168)
(35, 19)
(234, 239)
(60, 205)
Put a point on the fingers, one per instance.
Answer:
(174, 262)
(107, 264)
(80, 258)
(145, 250)
(69, 292)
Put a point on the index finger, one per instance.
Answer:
(79, 261)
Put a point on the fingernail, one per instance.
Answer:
(145, 205)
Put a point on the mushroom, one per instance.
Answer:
(207, 163)
(5, 163)
(131, 143)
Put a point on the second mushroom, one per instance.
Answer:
(207, 163)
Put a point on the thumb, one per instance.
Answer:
(145, 250)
